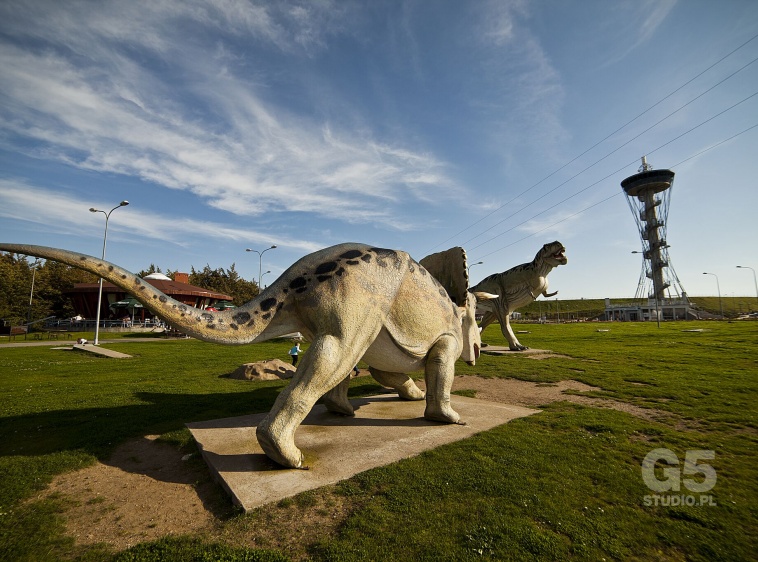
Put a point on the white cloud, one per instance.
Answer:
(133, 89)
(21, 201)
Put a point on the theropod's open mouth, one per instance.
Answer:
(560, 255)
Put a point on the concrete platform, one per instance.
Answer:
(502, 350)
(384, 430)
(91, 348)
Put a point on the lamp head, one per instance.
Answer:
(123, 203)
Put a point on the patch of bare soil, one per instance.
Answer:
(150, 489)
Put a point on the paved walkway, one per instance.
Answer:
(61, 343)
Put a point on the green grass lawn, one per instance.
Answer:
(563, 484)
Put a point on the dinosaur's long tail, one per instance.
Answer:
(235, 326)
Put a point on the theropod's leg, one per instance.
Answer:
(322, 368)
(439, 373)
(505, 327)
(406, 388)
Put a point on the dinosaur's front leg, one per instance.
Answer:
(439, 372)
(406, 388)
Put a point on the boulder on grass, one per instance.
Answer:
(269, 370)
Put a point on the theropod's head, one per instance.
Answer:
(472, 340)
(553, 254)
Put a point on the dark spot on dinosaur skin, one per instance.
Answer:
(268, 304)
(352, 262)
(351, 254)
(422, 270)
(366, 258)
(207, 316)
(443, 294)
(326, 267)
(156, 296)
(383, 254)
(138, 281)
(251, 323)
(298, 283)
(183, 308)
(163, 299)
(234, 326)
(110, 268)
(142, 288)
(285, 291)
(322, 278)
(301, 290)
(83, 258)
(123, 276)
(279, 306)
(266, 316)
(410, 267)
(340, 271)
(241, 317)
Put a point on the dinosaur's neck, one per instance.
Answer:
(541, 266)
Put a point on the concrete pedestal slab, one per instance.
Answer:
(501, 350)
(385, 429)
(89, 348)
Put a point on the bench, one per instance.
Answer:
(17, 331)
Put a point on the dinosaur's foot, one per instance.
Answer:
(518, 347)
(409, 391)
(338, 406)
(442, 414)
(283, 452)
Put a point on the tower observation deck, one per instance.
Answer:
(648, 194)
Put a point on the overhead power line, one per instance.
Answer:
(610, 196)
(723, 58)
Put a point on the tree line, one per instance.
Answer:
(51, 279)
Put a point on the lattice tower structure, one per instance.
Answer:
(649, 195)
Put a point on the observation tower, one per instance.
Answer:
(649, 194)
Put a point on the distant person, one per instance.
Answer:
(294, 352)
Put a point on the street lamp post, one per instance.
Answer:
(468, 269)
(105, 239)
(264, 273)
(31, 294)
(260, 261)
(754, 279)
(721, 307)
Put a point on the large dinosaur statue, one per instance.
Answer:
(518, 287)
(351, 301)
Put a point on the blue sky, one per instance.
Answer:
(418, 125)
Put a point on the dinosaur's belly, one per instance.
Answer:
(522, 298)
(387, 354)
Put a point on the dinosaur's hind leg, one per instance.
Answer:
(439, 373)
(406, 388)
(336, 399)
(322, 368)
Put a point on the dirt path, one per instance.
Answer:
(149, 489)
